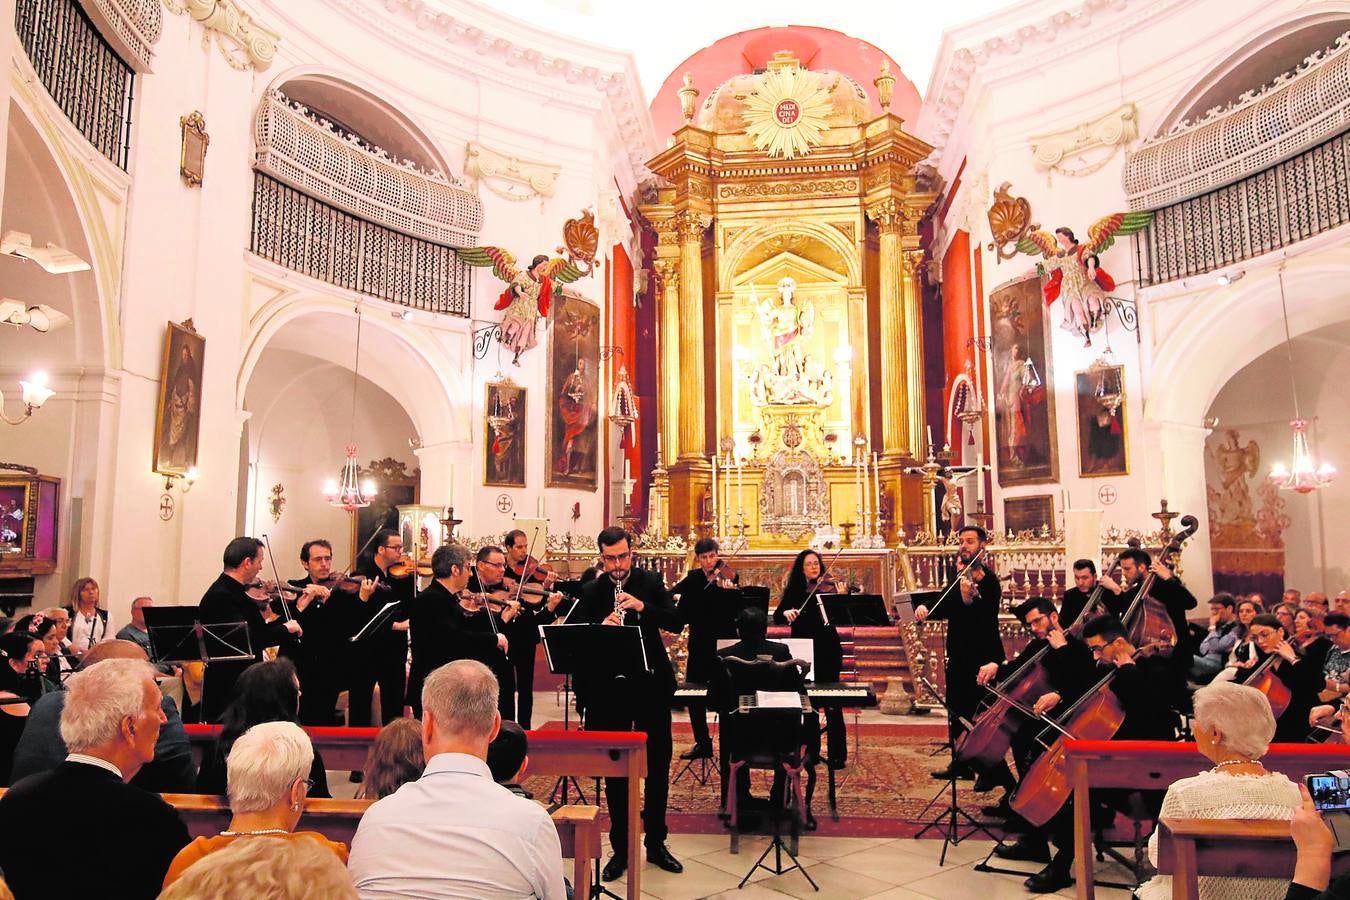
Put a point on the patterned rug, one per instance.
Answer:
(885, 791)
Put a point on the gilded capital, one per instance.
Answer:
(913, 261)
(889, 214)
(691, 225)
(667, 231)
(668, 271)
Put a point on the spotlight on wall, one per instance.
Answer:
(1228, 278)
(56, 260)
(184, 480)
(41, 318)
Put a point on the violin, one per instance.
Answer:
(720, 574)
(261, 591)
(406, 566)
(532, 569)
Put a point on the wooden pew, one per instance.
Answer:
(1153, 766)
(1257, 848)
(584, 754)
(578, 826)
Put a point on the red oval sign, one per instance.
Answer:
(787, 112)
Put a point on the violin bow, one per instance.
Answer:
(957, 580)
(726, 562)
(529, 555)
(281, 595)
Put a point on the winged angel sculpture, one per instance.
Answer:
(1075, 271)
(529, 293)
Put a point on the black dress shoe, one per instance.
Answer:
(617, 865)
(1048, 880)
(959, 773)
(660, 857)
(698, 751)
(810, 822)
(1034, 850)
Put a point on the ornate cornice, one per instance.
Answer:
(499, 40)
(1019, 48)
(243, 42)
(511, 177)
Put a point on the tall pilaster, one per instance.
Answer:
(896, 392)
(691, 227)
(668, 346)
(912, 305)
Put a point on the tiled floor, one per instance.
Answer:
(845, 868)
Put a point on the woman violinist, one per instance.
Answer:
(1289, 679)
(802, 608)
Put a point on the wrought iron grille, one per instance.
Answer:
(1278, 206)
(295, 230)
(81, 71)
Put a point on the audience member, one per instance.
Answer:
(1291, 597)
(265, 692)
(135, 630)
(508, 756)
(1212, 654)
(41, 749)
(17, 651)
(454, 832)
(110, 722)
(1285, 612)
(1233, 727)
(1259, 601)
(259, 868)
(394, 760)
(1316, 600)
(61, 617)
(1343, 602)
(1308, 638)
(1337, 665)
(89, 622)
(268, 782)
(1312, 864)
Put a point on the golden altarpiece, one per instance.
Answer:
(789, 308)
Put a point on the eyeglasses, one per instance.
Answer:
(492, 565)
(613, 558)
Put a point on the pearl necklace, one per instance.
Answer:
(259, 831)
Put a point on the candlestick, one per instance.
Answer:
(866, 496)
(716, 522)
(930, 436)
(876, 484)
(740, 486)
(726, 507)
(857, 487)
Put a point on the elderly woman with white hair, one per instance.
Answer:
(268, 780)
(1233, 727)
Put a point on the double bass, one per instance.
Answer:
(1148, 620)
(1097, 715)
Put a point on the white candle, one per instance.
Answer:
(876, 483)
(541, 506)
(715, 521)
(857, 487)
(726, 506)
(930, 436)
(866, 491)
(740, 484)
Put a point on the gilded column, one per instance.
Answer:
(668, 336)
(913, 310)
(897, 391)
(691, 226)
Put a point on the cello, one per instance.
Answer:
(1097, 715)
(989, 739)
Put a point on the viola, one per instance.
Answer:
(406, 567)
(267, 591)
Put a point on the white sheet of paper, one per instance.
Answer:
(778, 700)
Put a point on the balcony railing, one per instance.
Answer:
(80, 70)
(299, 147)
(300, 232)
(131, 26)
(1282, 205)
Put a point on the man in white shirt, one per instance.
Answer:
(456, 833)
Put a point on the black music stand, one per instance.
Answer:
(384, 615)
(584, 649)
(855, 611)
(950, 819)
(177, 635)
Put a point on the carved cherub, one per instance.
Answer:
(1075, 273)
(529, 293)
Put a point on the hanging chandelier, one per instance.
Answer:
(351, 494)
(1304, 475)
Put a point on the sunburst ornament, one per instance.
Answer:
(786, 116)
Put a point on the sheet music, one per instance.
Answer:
(778, 699)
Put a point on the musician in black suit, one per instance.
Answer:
(380, 656)
(326, 614)
(525, 573)
(110, 730)
(971, 609)
(802, 607)
(1085, 582)
(1135, 567)
(698, 598)
(626, 595)
(484, 627)
(226, 600)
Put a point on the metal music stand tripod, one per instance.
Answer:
(953, 818)
(178, 635)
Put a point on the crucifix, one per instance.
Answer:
(1165, 517)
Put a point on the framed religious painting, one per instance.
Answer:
(1102, 439)
(572, 439)
(504, 435)
(1021, 514)
(178, 419)
(1024, 404)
